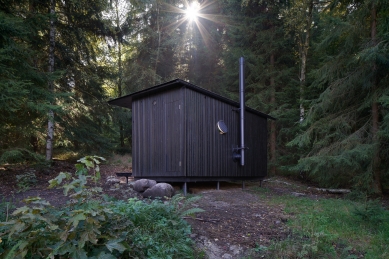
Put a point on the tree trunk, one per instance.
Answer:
(377, 186)
(158, 46)
(120, 91)
(272, 122)
(303, 49)
(50, 124)
(120, 68)
(34, 140)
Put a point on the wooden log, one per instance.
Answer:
(332, 191)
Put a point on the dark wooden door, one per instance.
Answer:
(173, 137)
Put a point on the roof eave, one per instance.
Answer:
(126, 101)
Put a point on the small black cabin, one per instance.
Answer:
(184, 133)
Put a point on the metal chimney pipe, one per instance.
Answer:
(242, 108)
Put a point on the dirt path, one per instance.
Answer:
(235, 221)
(238, 222)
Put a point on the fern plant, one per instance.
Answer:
(25, 181)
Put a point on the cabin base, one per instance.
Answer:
(200, 179)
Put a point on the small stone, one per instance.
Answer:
(235, 249)
(227, 256)
(111, 180)
(284, 219)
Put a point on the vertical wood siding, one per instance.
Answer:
(157, 135)
(209, 154)
(256, 142)
(175, 135)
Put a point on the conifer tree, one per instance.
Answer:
(344, 122)
(24, 96)
(257, 33)
(81, 114)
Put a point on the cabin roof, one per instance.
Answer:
(126, 101)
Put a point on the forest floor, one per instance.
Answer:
(235, 222)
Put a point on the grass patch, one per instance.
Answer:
(67, 156)
(332, 228)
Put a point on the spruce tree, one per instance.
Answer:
(344, 122)
(256, 32)
(23, 85)
(81, 113)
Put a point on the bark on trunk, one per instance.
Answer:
(303, 49)
(377, 186)
(273, 135)
(50, 124)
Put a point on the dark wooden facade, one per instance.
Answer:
(176, 138)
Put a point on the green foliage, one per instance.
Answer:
(337, 135)
(19, 155)
(25, 181)
(78, 100)
(256, 31)
(24, 99)
(6, 207)
(91, 227)
(183, 205)
(160, 230)
(371, 212)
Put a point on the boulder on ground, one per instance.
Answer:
(143, 184)
(160, 190)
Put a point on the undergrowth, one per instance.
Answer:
(6, 207)
(91, 227)
(25, 181)
(331, 228)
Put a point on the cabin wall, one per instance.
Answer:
(209, 153)
(175, 138)
(256, 142)
(158, 135)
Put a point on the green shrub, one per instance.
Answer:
(25, 181)
(160, 232)
(19, 155)
(89, 227)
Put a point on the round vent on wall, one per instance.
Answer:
(222, 127)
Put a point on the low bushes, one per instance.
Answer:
(91, 227)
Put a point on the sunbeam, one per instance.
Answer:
(196, 15)
(192, 11)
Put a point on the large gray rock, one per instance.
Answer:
(160, 190)
(143, 184)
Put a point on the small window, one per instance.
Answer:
(222, 127)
